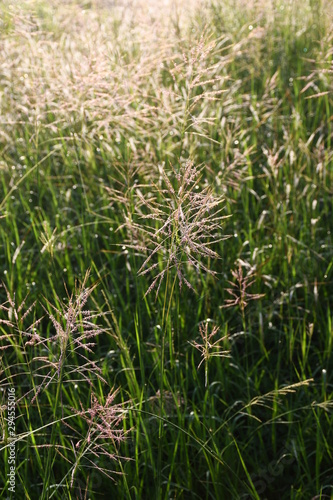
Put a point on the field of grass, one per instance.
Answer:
(166, 253)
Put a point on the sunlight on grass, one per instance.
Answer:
(182, 149)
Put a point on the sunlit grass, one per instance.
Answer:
(183, 150)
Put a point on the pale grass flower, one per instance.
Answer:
(179, 222)
(100, 437)
(209, 346)
(74, 334)
(238, 289)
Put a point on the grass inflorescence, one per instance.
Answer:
(166, 249)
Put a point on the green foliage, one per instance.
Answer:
(158, 149)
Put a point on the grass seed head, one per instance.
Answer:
(179, 221)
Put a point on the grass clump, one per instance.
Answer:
(160, 147)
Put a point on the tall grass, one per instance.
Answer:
(166, 249)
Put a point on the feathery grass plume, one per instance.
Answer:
(274, 395)
(196, 77)
(126, 179)
(180, 221)
(103, 436)
(208, 346)
(74, 328)
(15, 314)
(95, 74)
(12, 338)
(238, 289)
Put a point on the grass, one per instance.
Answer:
(166, 249)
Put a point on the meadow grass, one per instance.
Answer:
(166, 249)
